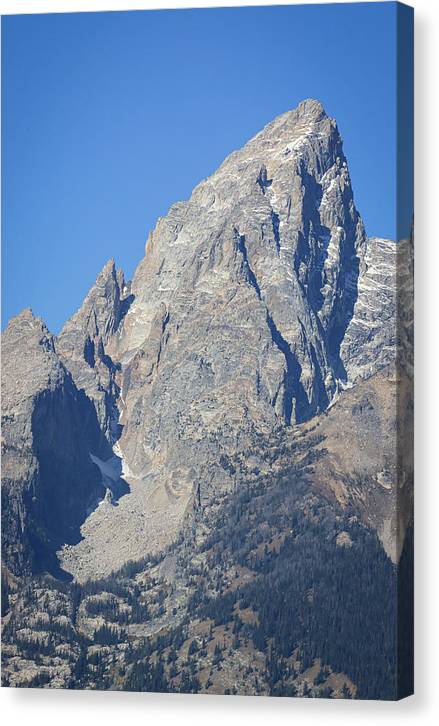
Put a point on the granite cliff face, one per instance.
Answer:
(240, 305)
(268, 250)
(380, 332)
(49, 483)
(83, 344)
(258, 302)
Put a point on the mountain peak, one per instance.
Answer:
(26, 313)
(26, 324)
(108, 270)
(311, 108)
(265, 252)
(303, 120)
(101, 304)
(29, 360)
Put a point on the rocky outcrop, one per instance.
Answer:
(85, 340)
(49, 483)
(361, 460)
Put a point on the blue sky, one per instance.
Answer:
(109, 118)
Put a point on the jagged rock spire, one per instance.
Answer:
(83, 343)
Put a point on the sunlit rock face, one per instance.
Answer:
(241, 302)
(380, 332)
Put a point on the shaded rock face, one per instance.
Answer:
(49, 483)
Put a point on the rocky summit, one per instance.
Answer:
(263, 339)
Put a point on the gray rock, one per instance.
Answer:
(84, 342)
(49, 483)
(380, 332)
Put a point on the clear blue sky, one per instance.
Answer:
(109, 118)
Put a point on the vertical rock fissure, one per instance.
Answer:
(250, 274)
(162, 338)
(263, 180)
(276, 223)
(293, 388)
